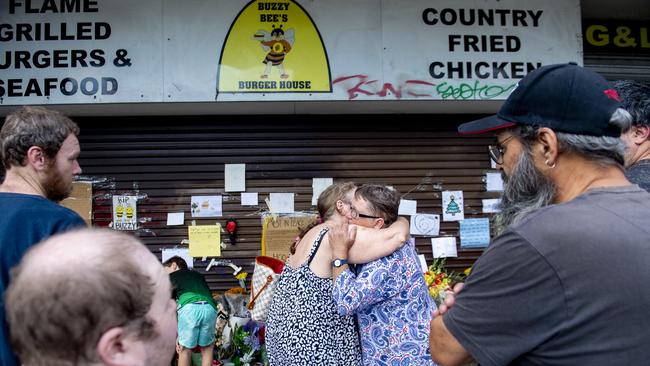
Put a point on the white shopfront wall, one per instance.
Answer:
(100, 52)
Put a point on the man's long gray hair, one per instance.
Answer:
(528, 189)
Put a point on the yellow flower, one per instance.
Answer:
(438, 279)
(467, 271)
(242, 276)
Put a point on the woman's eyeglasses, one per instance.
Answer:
(497, 151)
(356, 214)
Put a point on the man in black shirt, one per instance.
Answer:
(573, 242)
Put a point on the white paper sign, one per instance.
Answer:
(206, 206)
(235, 177)
(180, 252)
(444, 247)
(407, 207)
(281, 202)
(423, 262)
(318, 186)
(453, 206)
(125, 212)
(249, 199)
(425, 224)
(175, 218)
(493, 182)
(491, 205)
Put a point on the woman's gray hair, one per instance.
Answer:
(603, 150)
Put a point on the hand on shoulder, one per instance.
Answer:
(341, 236)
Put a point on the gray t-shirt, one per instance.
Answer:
(639, 173)
(569, 285)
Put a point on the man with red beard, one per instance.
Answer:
(39, 150)
(563, 281)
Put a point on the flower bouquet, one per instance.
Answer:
(439, 280)
(249, 345)
(246, 346)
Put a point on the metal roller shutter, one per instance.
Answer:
(620, 67)
(172, 158)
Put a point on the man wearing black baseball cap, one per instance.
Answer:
(565, 281)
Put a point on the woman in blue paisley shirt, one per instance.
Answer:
(388, 295)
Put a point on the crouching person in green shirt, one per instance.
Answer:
(197, 313)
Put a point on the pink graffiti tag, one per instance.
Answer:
(362, 87)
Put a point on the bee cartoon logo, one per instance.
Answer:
(119, 211)
(277, 44)
(289, 64)
(129, 212)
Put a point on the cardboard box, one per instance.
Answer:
(81, 201)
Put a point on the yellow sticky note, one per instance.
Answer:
(205, 240)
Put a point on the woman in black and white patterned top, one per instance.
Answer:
(303, 326)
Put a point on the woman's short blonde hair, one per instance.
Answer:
(327, 200)
(326, 206)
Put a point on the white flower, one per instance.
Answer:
(247, 358)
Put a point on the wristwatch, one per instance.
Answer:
(339, 262)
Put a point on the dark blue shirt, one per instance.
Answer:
(24, 221)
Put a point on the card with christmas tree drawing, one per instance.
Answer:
(452, 206)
